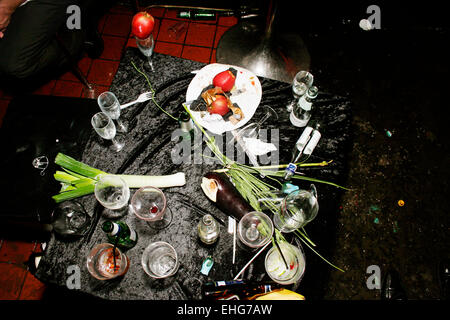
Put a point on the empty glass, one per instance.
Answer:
(146, 47)
(297, 209)
(70, 219)
(255, 229)
(103, 265)
(106, 129)
(276, 267)
(301, 83)
(160, 260)
(109, 104)
(113, 193)
(150, 204)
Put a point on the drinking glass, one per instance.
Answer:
(111, 106)
(301, 83)
(160, 260)
(150, 204)
(106, 129)
(297, 209)
(255, 229)
(70, 219)
(113, 193)
(276, 267)
(102, 264)
(146, 47)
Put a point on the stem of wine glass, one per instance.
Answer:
(150, 62)
(117, 145)
(121, 126)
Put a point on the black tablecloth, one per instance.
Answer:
(148, 151)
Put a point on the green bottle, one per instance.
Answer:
(127, 236)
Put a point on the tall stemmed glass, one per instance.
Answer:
(301, 83)
(111, 106)
(150, 204)
(106, 129)
(146, 46)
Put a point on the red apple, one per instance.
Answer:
(142, 24)
(224, 80)
(219, 105)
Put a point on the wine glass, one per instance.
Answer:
(160, 260)
(301, 83)
(150, 204)
(70, 219)
(113, 193)
(285, 267)
(146, 47)
(255, 229)
(103, 264)
(298, 208)
(111, 106)
(106, 129)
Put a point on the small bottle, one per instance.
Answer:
(127, 236)
(186, 125)
(237, 290)
(297, 152)
(302, 111)
(197, 15)
(208, 229)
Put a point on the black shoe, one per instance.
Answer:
(391, 288)
(444, 278)
(94, 44)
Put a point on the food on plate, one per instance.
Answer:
(218, 188)
(225, 79)
(216, 100)
(142, 24)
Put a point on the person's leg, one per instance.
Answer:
(29, 45)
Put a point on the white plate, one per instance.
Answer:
(246, 93)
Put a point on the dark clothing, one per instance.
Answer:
(29, 46)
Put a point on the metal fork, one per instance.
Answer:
(142, 98)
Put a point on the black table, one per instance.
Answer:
(148, 151)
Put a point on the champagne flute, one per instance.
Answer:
(111, 106)
(146, 46)
(106, 129)
(301, 83)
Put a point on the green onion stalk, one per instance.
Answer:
(249, 185)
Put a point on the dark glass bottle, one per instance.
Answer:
(237, 289)
(127, 236)
(197, 15)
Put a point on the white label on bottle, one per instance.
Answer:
(133, 235)
(305, 105)
(115, 229)
(296, 121)
(301, 142)
(313, 142)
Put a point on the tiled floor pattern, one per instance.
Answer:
(194, 40)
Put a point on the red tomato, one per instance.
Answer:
(219, 105)
(142, 24)
(225, 80)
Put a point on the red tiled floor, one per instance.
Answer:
(165, 35)
(32, 288)
(67, 89)
(93, 94)
(102, 72)
(117, 25)
(14, 251)
(219, 33)
(46, 89)
(157, 12)
(3, 106)
(227, 21)
(200, 34)
(11, 280)
(171, 49)
(113, 47)
(196, 53)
